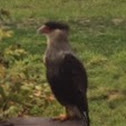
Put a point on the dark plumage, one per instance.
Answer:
(65, 73)
(57, 25)
(70, 81)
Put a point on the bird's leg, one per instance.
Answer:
(71, 113)
(63, 117)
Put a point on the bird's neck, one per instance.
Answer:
(58, 43)
(56, 49)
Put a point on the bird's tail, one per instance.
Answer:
(85, 118)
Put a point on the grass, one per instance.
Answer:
(97, 35)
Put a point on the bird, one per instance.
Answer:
(65, 73)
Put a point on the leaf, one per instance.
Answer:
(5, 34)
(2, 71)
(2, 93)
(37, 94)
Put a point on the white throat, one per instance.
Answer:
(57, 45)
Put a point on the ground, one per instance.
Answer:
(98, 36)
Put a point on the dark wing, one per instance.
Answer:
(72, 69)
(73, 76)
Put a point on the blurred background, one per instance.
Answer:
(98, 36)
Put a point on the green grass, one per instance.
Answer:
(98, 36)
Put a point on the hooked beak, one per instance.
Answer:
(43, 30)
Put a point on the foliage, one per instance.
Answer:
(97, 35)
(21, 74)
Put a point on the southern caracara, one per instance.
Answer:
(65, 73)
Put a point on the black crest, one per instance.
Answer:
(57, 25)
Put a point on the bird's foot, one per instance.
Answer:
(62, 117)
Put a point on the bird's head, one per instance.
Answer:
(54, 30)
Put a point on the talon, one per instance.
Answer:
(61, 117)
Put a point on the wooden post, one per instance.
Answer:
(38, 121)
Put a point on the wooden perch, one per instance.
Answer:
(38, 121)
